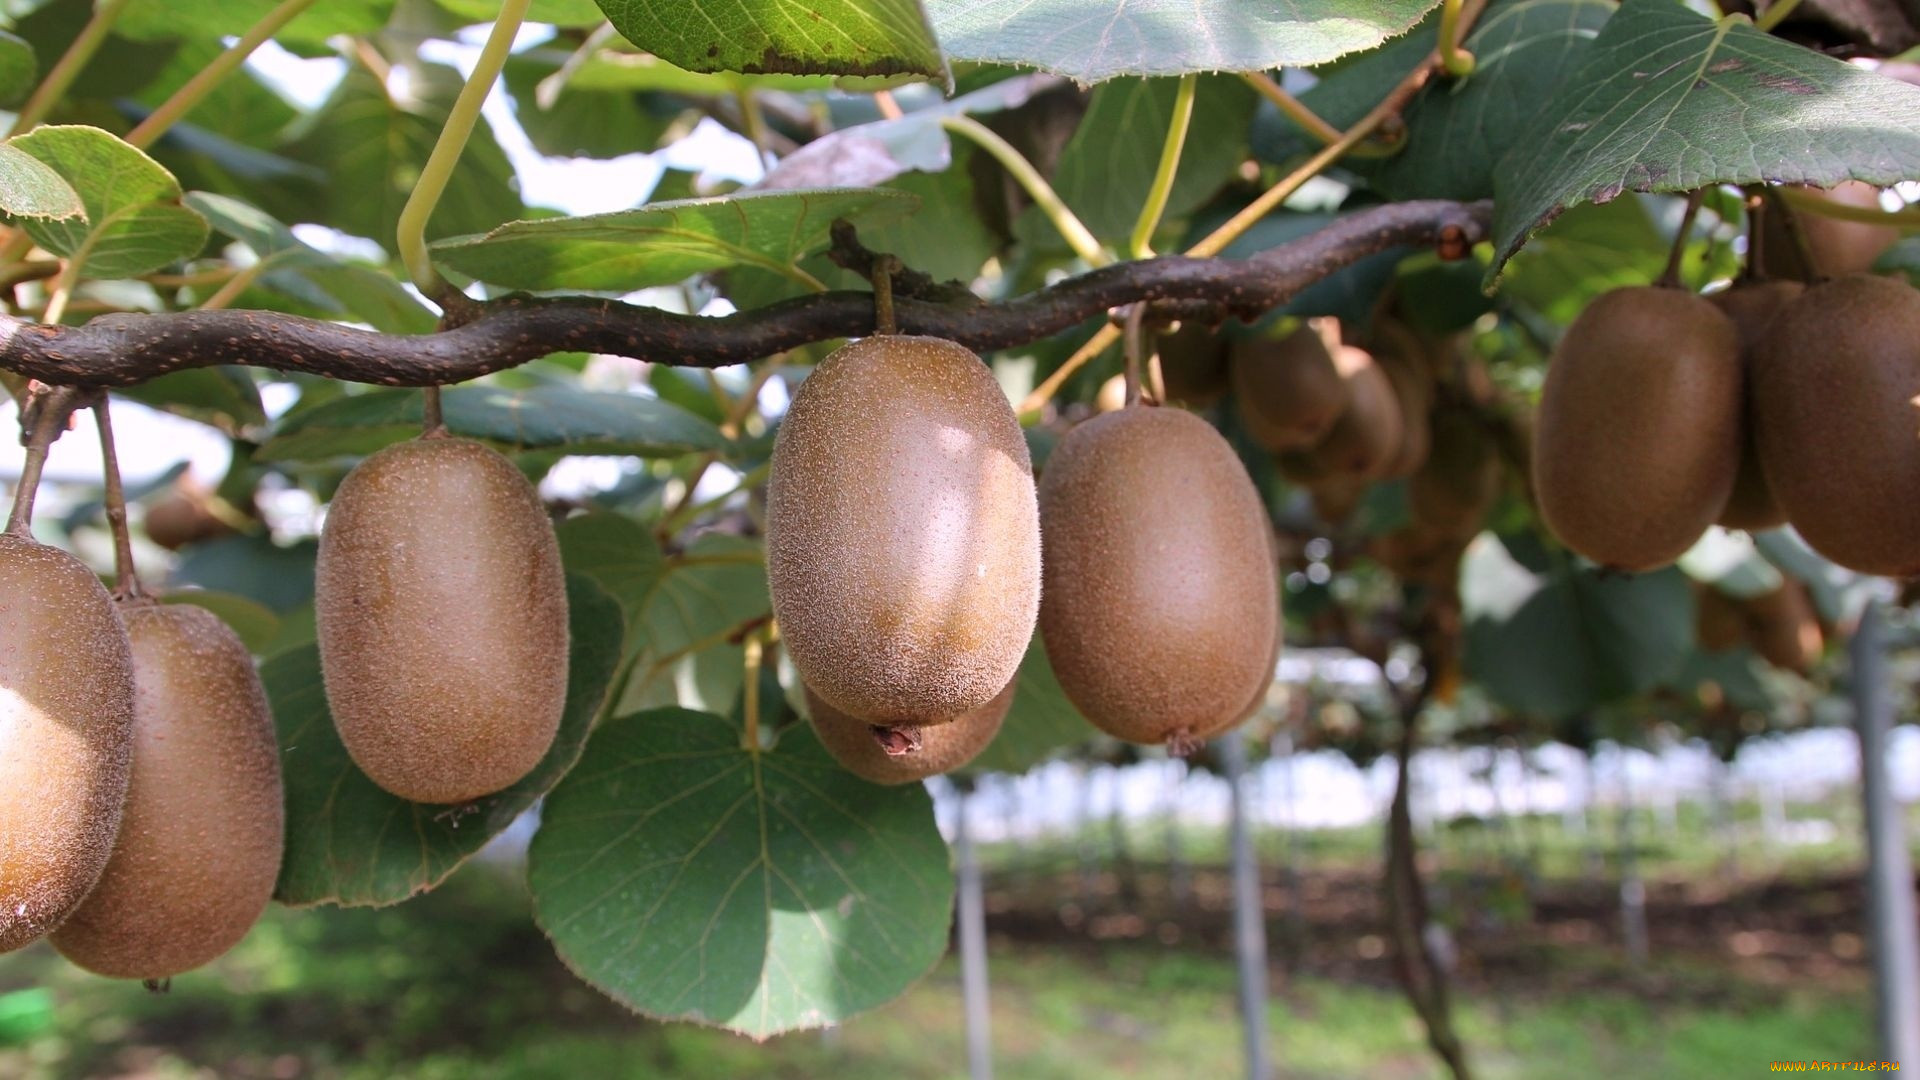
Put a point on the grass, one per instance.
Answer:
(458, 984)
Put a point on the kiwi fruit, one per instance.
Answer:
(1287, 390)
(182, 517)
(66, 735)
(1365, 441)
(442, 615)
(1420, 554)
(903, 537)
(1193, 365)
(200, 842)
(1846, 247)
(1112, 396)
(1413, 391)
(1833, 388)
(1783, 629)
(902, 755)
(1453, 489)
(1638, 435)
(1719, 622)
(1161, 604)
(1753, 305)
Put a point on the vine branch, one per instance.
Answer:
(123, 349)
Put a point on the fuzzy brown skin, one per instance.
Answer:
(1638, 434)
(200, 843)
(1783, 628)
(1365, 442)
(442, 616)
(1287, 390)
(944, 745)
(1846, 247)
(66, 735)
(1193, 365)
(1413, 391)
(1453, 489)
(1161, 603)
(903, 537)
(1753, 306)
(1834, 413)
(1719, 621)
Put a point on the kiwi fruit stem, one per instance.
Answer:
(750, 692)
(44, 417)
(1670, 277)
(126, 584)
(432, 424)
(882, 278)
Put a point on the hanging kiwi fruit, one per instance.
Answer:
(903, 537)
(1287, 390)
(442, 615)
(1193, 365)
(1639, 427)
(1160, 610)
(1753, 306)
(200, 843)
(903, 755)
(1834, 388)
(66, 725)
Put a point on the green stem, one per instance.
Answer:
(547, 91)
(234, 286)
(197, 88)
(1035, 185)
(1454, 60)
(755, 121)
(1775, 14)
(60, 293)
(126, 576)
(68, 67)
(412, 232)
(1156, 205)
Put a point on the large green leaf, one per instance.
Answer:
(350, 842)
(539, 418)
(554, 12)
(1588, 250)
(19, 70)
(1458, 129)
(29, 188)
(663, 243)
(275, 576)
(1041, 723)
(563, 118)
(158, 20)
(353, 290)
(824, 37)
(762, 891)
(1566, 638)
(226, 397)
(373, 145)
(133, 220)
(1093, 40)
(1669, 100)
(1107, 168)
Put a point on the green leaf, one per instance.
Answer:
(19, 70)
(1458, 129)
(540, 418)
(824, 37)
(1587, 251)
(133, 221)
(160, 20)
(353, 844)
(1041, 722)
(763, 892)
(1094, 40)
(618, 553)
(1570, 638)
(552, 12)
(256, 626)
(565, 119)
(279, 578)
(1671, 101)
(31, 189)
(353, 290)
(1107, 168)
(373, 147)
(663, 243)
(226, 397)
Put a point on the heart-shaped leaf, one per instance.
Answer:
(822, 37)
(133, 221)
(762, 891)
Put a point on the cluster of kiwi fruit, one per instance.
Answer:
(141, 816)
(910, 556)
(1767, 403)
(1342, 413)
